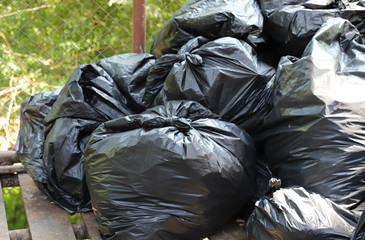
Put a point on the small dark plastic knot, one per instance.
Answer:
(179, 123)
(181, 57)
(194, 59)
(182, 124)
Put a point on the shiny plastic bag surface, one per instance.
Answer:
(30, 142)
(95, 93)
(294, 213)
(129, 72)
(359, 233)
(315, 134)
(212, 19)
(172, 172)
(291, 24)
(31, 150)
(225, 76)
(104, 90)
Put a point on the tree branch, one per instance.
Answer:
(11, 50)
(24, 10)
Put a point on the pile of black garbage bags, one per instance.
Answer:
(243, 109)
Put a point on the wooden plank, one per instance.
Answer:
(12, 169)
(45, 219)
(80, 231)
(91, 225)
(20, 234)
(8, 157)
(4, 233)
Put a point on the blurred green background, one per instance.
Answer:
(43, 41)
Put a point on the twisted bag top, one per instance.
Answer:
(172, 172)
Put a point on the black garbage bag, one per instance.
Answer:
(31, 151)
(211, 19)
(291, 24)
(294, 213)
(157, 76)
(95, 93)
(162, 67)
(225, 76)
(102, 91)
(315, 134)
(129, 72)
(64, 163)
(359, 233)
(172, 172)
(30, 141)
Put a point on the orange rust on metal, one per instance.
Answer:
(91, 225)
(4, 233)
(139, 26)
(8, 157)
(45, 220)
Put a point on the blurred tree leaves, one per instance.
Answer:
(15, 212)
(43, 41)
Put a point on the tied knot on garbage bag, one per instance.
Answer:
(233, 83)
(317, 117)
(194, 59)
(147, 183)
(158, 142)
(182, 124)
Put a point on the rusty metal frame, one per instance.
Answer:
(139, 26)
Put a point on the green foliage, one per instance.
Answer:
(15, 213)
(76, 219)
(157, 14)
(43, 41)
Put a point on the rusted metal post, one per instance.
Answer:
(139, 26)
